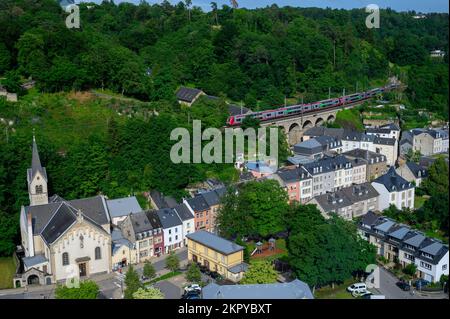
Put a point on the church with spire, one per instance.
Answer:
(37, 179)
(61, 239)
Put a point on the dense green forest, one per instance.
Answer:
(259, 57)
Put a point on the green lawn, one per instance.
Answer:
(339, 291)
(7, 270)
(419, 201)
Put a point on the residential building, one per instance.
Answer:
(296, 181)
(314, 148)
(386, 131)
(217, 254)
(204, 206)
(291, 290)
(188, 220)
(400, 244)
(437, 54)
(427, 141)
(412, 172)
(123, 251)
(394, 190)
(260, 169)
(138, 229)
(172, 227)
(355, 140)
(187, 96)
(376, 164)
(120, 208)
(160, 201)
(349, 202)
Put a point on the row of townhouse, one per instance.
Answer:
(399, 243)
(373, 140)
(156, 232)
(324, 175)
(349, 202)
(425, 141)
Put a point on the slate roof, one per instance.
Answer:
(198, 203)
(416, 170)
(292, 174)
(63, 218)
(33, 261)
(118, 240)
(187, 94)
(346, 196)
(215, 242)
(153, 218)
(327, 164)
(236, 269)
(91, 207)
(168, 218)
(123, 206)
(161, 201)
(292, 290)
(406, 237)
(236, 110)
(140, 222)
(393, 182)
(36, 164)
(365, 154)
(183, 212)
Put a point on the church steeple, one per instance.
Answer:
(37, 178)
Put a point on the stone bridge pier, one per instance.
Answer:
(295, 126)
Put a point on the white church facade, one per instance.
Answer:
(61, 239)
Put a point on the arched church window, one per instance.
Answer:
(98, 254)
(65, 259)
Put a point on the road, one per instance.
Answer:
(389, 288)
(109, 285)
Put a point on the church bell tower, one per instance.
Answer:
(37, 179)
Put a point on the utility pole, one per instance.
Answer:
(329, 92)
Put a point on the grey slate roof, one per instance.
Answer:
(168, 218)
(292, 290)
(183, 212)
(123, 206)
(393, 182)
(161, 201)
(187, 94)
(415, 240)
(416, 170)
(365, 154)
(36, 164)
(400, 232)
(35, 260)
(153, 218)
(58, 224)
(198, 203)
(118, 240)
(52, 219)
(369, 219)
(215, 242)
(140, 222)
(242, 267)
(385, 225)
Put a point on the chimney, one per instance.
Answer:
(30, 235)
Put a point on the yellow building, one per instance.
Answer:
(217, 254)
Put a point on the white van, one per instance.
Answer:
(358, 288)
(377, 297)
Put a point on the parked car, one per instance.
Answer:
(421, 283)
(372, 296)
(191, 295)
(358, 288)
(193, 287)
(403, 286)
